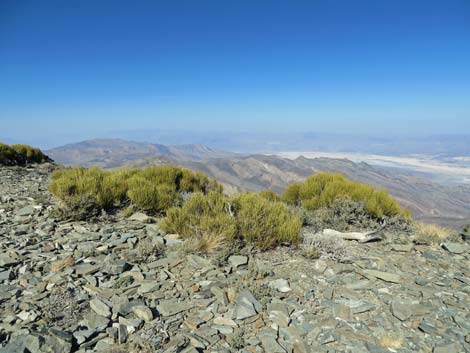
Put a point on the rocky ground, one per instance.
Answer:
(120, 285)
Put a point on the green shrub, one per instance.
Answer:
(21, 155)
(153, 189)
(323, 189)
(291, 195)
(265, 223)
(202, 216)
(249, 217)
(270, 195)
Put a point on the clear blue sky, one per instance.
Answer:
(79, 68)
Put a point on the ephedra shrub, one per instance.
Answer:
(249, 218)
(153, 189)
(21, 155)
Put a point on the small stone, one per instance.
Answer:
(455, 248)
(281, 285)
(100, 307)
(140, 217)
(237, 260)
(319, 266)
(384, 276)
(246, 306)
(447, 348)
(115, 267)
(122, 333)
(143, 312)
(26, 211)
(343, 312)
(279, 318)
(402, 247)
(402, 309)
(170, 308)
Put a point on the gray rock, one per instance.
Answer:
(455, 248)
(170, 308)
(115, 267)
(99, 307)
(26, 211)
(384, 276)
(402, 309)
(448, 348)
(237, 260)
(143, 312)
(140, 217)
(246, 306)
(281, 285)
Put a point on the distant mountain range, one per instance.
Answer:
(430, 201)
(113, 153)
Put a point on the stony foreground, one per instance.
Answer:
(119, 285)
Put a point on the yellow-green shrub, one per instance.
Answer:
(322, 189)
(265, 223)
(249, 217)
(269, 195)
(291, 195)
(153, 189)
(148, 195)
(21, 155)
(202, 215)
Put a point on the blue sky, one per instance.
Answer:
(76, 69)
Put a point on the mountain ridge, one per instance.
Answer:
(428, 200)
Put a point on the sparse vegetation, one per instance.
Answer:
(153, 190)
(348, 215)
(430, 234)
(265, 223)
(466, 229)
(248, 217)
(330, 247)
(321, 190)
(11, 155)
(270, 195)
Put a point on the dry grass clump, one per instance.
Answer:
(428, 234)
(394, 342)
(62, 264)
(21, 155)
(322, 189)
(153, 189)
(330, 247)
(248, 217)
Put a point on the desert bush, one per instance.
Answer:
(430, 234)
(265, 223)
(321, 190)
(153, 189)
(270, 195)
(291, 195)
(202, 216)
(21, 155)
(248, 217)
(466, 229)
(79, 208)
(347, 215)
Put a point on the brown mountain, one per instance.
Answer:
(113, 153)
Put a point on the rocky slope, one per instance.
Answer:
(120, 285)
